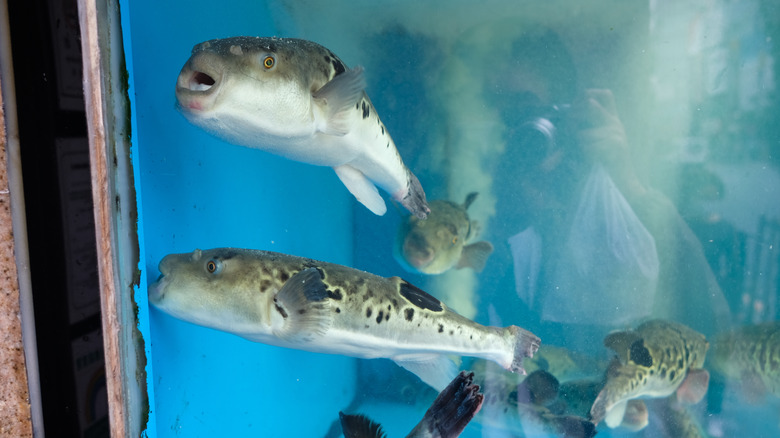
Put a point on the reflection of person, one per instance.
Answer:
(580, 238)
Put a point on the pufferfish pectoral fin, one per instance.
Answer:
(475, 256)
(304, 306)
(336, 102)
(615, 415)
(361, 188)
(694, 387)
(435, 370)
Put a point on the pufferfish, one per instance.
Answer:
(296, 99)
(655, 360)
(443, 241)
(751, 356)
(296, 302)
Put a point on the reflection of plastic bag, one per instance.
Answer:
(608, 267)
(527, 257)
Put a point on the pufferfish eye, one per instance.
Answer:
(269, 62)
(214, 266)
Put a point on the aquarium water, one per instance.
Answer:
(625, 156)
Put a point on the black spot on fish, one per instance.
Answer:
(322, 273)
(441, 328)
(302, 312)
(680, 364)
(389, 308)
(368, 312)
(387, 317)
(365, 109)
(357, 105)
(284, 276)
(663, 373)
(327, 59)
(281, 311)
(452, 332)
(419, 297)
(451, 228)
(383, 131)
(409, 314)
(314, 290)
(672, 373)
(265, 284)
(640, 355)
(395, 302)
(336, 294)
(379, 317)
(338, 66)
(227, 255)
(338, 310)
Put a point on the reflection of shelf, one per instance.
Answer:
(762, 269)
(78, 224)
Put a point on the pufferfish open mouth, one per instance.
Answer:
(200, 81)
(196, 90)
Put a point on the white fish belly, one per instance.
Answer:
(398, 340)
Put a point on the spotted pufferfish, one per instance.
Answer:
(657, 359)
(305, 304)
(297, 99)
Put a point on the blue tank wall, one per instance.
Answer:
(695, 86)
(196, 191)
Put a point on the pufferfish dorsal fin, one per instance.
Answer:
(469, 200)
(620, 342)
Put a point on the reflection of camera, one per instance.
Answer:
(539, 134)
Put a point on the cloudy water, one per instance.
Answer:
(625, 161)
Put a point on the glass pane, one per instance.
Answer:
(623, 157)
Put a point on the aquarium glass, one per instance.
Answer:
(625, 160)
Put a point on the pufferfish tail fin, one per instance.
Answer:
(413, 198)
(360, 426)
(452, 410)
(526, 344)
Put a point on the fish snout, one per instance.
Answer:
(165, 265)
(157, 289)
(198, 83)
(417, 252)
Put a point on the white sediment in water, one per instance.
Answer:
(473, 133)
(475, 40)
